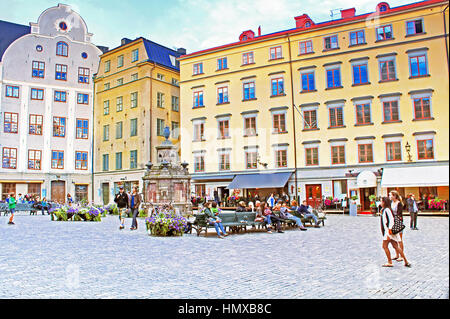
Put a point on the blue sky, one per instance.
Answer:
(192, 24)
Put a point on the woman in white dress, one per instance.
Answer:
(387, 222)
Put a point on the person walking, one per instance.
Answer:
(213, 218)
(387, 222)
(121, 199)
(413, 209)
(12, 208)
(271, 201)
(134, 203)
(397, 211)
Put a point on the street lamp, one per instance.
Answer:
(408, 150)
(261, 163)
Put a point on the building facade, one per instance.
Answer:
(46, 106)
(136, 96)
(332, 105)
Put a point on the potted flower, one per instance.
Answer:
(166, 223)
(373, 205)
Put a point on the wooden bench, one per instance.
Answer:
(20, 207)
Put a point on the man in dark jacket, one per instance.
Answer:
(121, 200)
(304, 210)
(134, 203)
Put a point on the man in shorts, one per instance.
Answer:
(121, 200)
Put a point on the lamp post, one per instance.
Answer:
(408, 150)
(261, 163)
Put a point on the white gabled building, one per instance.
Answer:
(46, 105)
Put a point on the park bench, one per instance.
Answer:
(20, 207)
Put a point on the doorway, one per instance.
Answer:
(58, 191)
(365, 201)
(313, 194)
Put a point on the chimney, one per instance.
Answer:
(125, 41)
(181, 51)
(348, 13)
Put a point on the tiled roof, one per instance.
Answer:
(161, 55)
(9, 32)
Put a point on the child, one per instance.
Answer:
(12, 208)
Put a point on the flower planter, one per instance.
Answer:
(166, 224)
(72, 213)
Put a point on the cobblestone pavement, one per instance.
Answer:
(44, 259)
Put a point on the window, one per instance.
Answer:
(105, 107)
(279, 123)
(106, 132)
(200, 190)
(133, 127)
(35, 125)
(363, 114)
(276, 53)
(308, 82)
(160, 99)
(425, 149)
(336, 116)
(160, 76)
(384, 33)
(38, 69)
(118, 160)
(281, 158)
(160, 127)
(310, 119)
(135, 55)
(120, 82)
(107, 86)
(175, 103)
(134, 99)
(12, 91)
(58, 159)
(199, 163)
(134, 77)
(59, 126)
(222, 95)
(82, 129)
(306, 47)
(338, 154)
(390, 111)
(393, 151)
(331, 42)
(81, 160)
(224, 162)
(9, 158)
(199, 131)
(61, 72)
(82, 98)
(312, 156)
(120, 61)
(222, 64)
(107, 66)
(247, 58)
(333, 78)
(119, 104)
(251, 159)
(360, 74)
(198, 68)
(418, 66)
(422, 110)
(60, 96)
(37, 94)
(105, 163)
(175, 130)
(224, 129)
(62, 49)
(249, 91)
(357, 37)
(277, 86)
(414, 27)
(250, 126)
(83, 75)
(175, 82)
(387, 70)
(133, 159)
(11, 122)
(365, 153)
(198, 99)
(34, 159)
(119, 127)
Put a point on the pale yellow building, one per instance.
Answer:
(136, 96)
(337, 102)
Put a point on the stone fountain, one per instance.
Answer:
(167, 181)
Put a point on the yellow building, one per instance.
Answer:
(340, 103)
(136, 96)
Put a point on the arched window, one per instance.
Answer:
(383, 8)
(62, 49)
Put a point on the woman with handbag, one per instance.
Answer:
(397, 211)
(387, 225)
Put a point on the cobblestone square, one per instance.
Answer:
(44, 259)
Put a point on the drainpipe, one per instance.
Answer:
(445, 37)
(92, 143)
(151, 110)
(293, 120)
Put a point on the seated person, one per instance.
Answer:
(213, 218)
(285, 214)
(241, 207)
(270, 217)
(45, 206)
(305, 211)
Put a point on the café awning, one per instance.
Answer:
(415, 176)
(267, 180)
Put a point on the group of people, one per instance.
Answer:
(128, 202)
(272, 216)
(27, 199)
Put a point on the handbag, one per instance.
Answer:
(398, 225)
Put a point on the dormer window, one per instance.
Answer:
(62, 49)
(244, 38)
(307, 24)
(383, 8)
